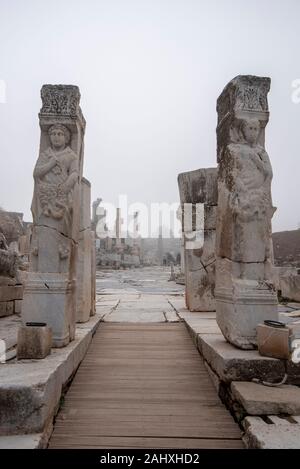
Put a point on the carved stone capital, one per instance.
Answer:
(244, 97)
(61, 102)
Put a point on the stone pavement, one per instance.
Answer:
(138, 295)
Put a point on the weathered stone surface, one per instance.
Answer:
(93, 273)
(231, 364)
(199, 285)
(198, 198)
(171, 316)
(257, 399)
(290, 287)
(245, 293)
(34, 342)
(262, 435)
(18, 306)
(84, 269)
(9, 331)
(11, 292)
(50, 287)
(49, 298)
(11, 226)
(30, 391)
(6, 308)
(198, 186)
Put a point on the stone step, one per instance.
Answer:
(258, 399)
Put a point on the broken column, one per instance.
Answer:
(198, 199)
(84, 271)
(245, 294)
(50, 290)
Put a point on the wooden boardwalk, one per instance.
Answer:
(143, 386)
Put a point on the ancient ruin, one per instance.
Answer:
(245, 292)
(50, 291)
(198, 199)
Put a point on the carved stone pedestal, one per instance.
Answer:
(49, 298)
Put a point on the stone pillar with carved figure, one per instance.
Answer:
(50, 289)
(245, 293)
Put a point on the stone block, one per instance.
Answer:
(273, 341)
(198, 186)
(258, 399)
(34, 341)
(232, 364)
(199, 289)
(11, 292)
(6, 308)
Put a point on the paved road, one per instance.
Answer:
(151, 280)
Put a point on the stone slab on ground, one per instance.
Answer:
(134, 316)
(258, 399)
(177, 302)
(30, 390)
(262, 435)
(171, 316)
(199, 325)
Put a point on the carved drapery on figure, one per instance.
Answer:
(245, 176)
(55, 174)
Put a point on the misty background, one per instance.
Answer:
(149, 72)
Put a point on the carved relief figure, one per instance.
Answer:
(55, 175)
(245, 185)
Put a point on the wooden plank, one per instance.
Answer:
(137, 442)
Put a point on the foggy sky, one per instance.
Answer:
(149, 72)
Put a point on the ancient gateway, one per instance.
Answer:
(228, 258)
(138, 376)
